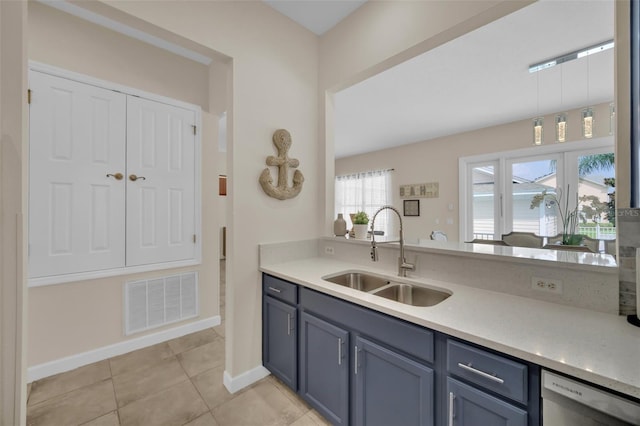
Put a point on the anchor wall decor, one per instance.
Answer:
(282, 141)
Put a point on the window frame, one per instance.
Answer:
(565, 151)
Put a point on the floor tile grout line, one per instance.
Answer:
(153, 392)
(37, 404)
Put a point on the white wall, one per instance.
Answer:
(436, 160)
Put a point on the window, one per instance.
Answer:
(497, 190)
(367, 191)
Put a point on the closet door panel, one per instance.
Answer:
(161, 195)
(76, 212)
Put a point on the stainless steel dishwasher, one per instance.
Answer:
(567, 402)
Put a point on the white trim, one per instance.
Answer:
(127, 270)
(71, 362)
(109, 85)
(234, 384)
(121, 28)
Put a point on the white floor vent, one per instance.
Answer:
(160, 301)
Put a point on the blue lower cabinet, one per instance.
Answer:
(280, 341)
(390, 389)
(324, 368)
(468, 406)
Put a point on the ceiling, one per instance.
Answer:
(318, 16)
(481, 79)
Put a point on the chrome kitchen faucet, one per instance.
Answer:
(403, 266)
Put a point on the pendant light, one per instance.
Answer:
(561, 118)
(587, 113)
(612, 118)
(538, 122)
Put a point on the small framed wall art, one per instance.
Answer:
(412, 207)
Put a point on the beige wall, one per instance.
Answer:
(72, 318)
(59, 39)
(275, 74)
(13, 149)
(436, 160)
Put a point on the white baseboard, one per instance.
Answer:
(234, 384)
(61, 365)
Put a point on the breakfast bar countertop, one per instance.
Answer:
(597, 347)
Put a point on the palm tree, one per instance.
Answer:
(590, 163)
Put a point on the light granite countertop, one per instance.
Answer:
(597, 347)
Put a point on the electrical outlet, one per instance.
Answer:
(328, 250)
(550, 285)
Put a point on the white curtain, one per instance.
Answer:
(366, 191)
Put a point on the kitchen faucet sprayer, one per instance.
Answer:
(403, 266)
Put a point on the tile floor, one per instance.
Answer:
(178, 382)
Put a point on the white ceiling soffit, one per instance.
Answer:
(116, 26)
(482, 79)
(318, 16)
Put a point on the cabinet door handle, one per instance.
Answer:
(452, 398)
(288, 324)
(339, 351)
(355, 361)
(134, 178)
(276, 290)
(481, 373)
(117, 176)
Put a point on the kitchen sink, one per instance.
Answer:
(412, 295)
(359, 281)
(384, 287)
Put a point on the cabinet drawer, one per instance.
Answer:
(280, 289)
(490, 371)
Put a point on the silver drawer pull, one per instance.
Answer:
(355, 362)
(452, 399)
(481, 373)
(277, 290)
(288, 324)
(339, 351)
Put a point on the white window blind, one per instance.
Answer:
(366, 191)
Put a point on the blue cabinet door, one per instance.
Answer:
(324, 368)
(280, 341)
(391, 389)
(468, 406)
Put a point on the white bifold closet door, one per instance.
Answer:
(77, 213)
(160, 201)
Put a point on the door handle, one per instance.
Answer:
(118, 175)
(481, 373)
(134, 178)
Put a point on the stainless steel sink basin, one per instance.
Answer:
(412, 295)
(359, 281)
